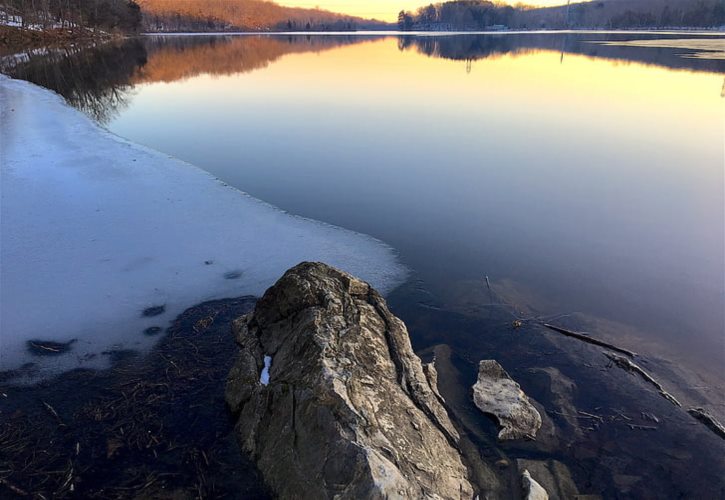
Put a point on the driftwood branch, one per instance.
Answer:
(629, 366)
(709, 421)
(589, 340)
(635, 427)
(15, 489)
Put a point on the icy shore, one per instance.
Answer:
(102, 239)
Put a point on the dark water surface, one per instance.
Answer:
(583, 179)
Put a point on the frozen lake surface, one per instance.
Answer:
(105, 242)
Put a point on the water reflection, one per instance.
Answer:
(97, 79)
(178, 58)
(602, 46)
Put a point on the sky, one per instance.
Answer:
(385, 10)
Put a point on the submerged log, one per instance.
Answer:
(629, 366)
(709, 421)
(589, 340)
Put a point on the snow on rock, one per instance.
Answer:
(264, 376)
(531, 489)
(101, 239)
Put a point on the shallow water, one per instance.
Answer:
(577, 178)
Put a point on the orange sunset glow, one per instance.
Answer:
(384, 10)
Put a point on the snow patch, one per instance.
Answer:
(16, 21)
(96, 231)
(532, 489)
(264, 376)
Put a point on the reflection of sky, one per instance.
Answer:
(597, 184)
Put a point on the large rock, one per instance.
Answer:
(344, 408)
(496, 393)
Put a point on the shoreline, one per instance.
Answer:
(150, 424)
(90, 216)
(21, 39)
(156, 422)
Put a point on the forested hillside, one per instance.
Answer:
(109, 15)
(244, 15)
(626, 14)
(610, 14)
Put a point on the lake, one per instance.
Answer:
(575, 177)
(584, 177)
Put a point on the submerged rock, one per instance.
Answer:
(496, 393)
(345, 408)
(559, 393)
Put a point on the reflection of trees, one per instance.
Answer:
(463, 47)
(95, 80)
(98, 80)
(175, 58)
(474, 47)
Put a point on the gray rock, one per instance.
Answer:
(496, 393)
(348, 410)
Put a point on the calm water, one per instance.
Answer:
(580, 178)
(590, 184)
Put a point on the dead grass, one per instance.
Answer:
(150, 427)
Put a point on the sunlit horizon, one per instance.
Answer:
(384, 10)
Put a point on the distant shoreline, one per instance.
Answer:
(14, 39)
(674, 31)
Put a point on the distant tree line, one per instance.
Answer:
(699, 14)
(457, 15)
(611, 14)
(110, 15)
(315, 25)
(95, 81)
(635, 14)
